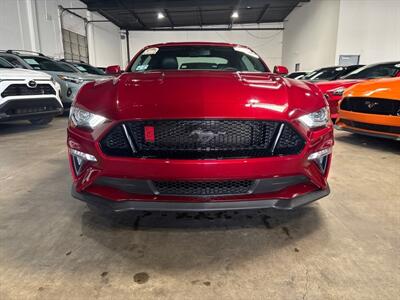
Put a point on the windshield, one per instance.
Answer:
(214, 58)
(324, 74)
(45, 64)
(69, 67)
(375, 71)
(5, 64)
(89, 69)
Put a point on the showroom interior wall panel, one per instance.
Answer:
(369, 28)
(104, 42)
(267, 44)
(14, 25)
(310, 35)
(35, 25)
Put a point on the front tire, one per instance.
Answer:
(41, 121)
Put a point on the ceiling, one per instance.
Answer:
(142, 14)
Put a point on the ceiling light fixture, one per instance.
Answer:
(160, 16)
(235, 15)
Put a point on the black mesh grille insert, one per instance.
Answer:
(24, 90)
(31, 106)
(371, 106)
(202, 139)
(203, 188)
(373, 127)
(289, 142)
(116, 144)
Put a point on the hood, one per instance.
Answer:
(83, 76)
(17, 73)
(325, 86)
(376, 88)
(200, 94)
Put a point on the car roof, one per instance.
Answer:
(217, 44)
(384, 63)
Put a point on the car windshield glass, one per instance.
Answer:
(45, 64)
(89, 69)
(375, 71)
(70, 68)
(324, 74)
(216, 58)
(5, 64)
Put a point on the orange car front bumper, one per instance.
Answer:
(370, 124)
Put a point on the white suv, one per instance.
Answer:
(28, 95)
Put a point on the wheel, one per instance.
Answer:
(41, 121)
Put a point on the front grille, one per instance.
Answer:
(202, 139)
(24, 90)
(372, 127)
(203, 188)
(371, 106)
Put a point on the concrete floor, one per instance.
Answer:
(345, 246)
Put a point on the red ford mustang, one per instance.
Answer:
(199, 126)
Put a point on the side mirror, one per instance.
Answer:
(281, 70)
(113, 70)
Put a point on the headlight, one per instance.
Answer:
(337, 92)
(71, 79)
(316, 119)
(83, 118)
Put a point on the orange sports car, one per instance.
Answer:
(372, 108)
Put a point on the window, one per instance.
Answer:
(218, 58)
(45, 64)
(89, 69)
(325, 74)
(75, 46)
(5, 64)
(14, 62)
(375, 71)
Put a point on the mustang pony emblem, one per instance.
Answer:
(371, 104)
(205, 136)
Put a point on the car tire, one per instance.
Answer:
(41, 121)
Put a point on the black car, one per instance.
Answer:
(296, 75)
(330, 73)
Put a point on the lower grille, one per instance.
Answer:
(202, 139)
(371, 106)
(372, 127)
(24, 90)
(23, 107)
(200, 188)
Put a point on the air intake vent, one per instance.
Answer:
(199, 188)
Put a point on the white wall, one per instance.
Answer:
(369, 28)
(267, 44)
(35, 25)
(14, 25)
(310, 35)
(104, 42)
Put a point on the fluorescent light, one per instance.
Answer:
(235, 15)
(160, 16)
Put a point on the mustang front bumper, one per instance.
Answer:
(103, 204)
(120, 184)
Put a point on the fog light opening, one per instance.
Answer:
(79, 158)
(321, 158)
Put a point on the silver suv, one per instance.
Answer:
(70, 79)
